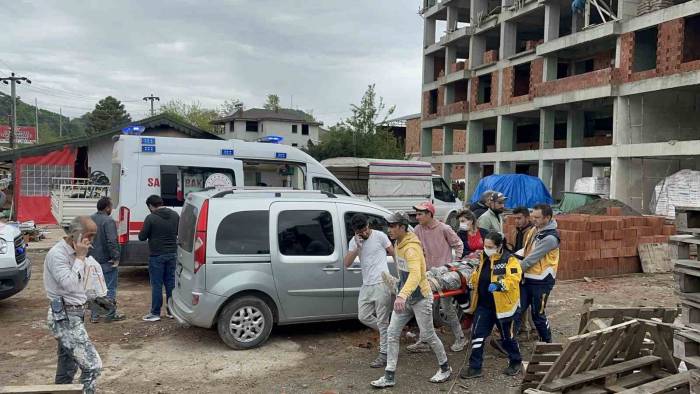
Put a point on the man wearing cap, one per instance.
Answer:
(478, 208)
(415, 299)
(491, 219)
(441, 246)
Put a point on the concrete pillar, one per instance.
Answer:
(447, 140)
(574, 171)
(428, 32)
(576, 22)
(504, 167)
(426, 142)
(428, 69)
(626, 181)
(508, 40)
(452, 15)
(477, 47)
(549, 72)
(552, 12)
(544, 172)
(450, 58)
(472, 173)
(547, 119)
(505, 134)
(575, 124)
(447, 173)
(475, 136)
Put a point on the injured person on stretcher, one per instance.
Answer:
(450, 277)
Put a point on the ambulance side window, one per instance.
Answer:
(176, 182)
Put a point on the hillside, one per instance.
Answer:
(48, 121)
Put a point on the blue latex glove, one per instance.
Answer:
(494, 287)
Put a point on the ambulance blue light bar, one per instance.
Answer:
(133, 130)
(148, 148)
(148, 141)
(227, 152)
(280, 155)
(271, 139)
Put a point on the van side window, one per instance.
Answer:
(244, 232)
(177, 182)
(186, 227)
(442, 191)
(328, 186)
(375, 223)
(305, 233)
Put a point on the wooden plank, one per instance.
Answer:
(661, 348)
(588, 362)
(687, 263)
(654, 258)
(684, 239)
(559, 365)
(661, 385)
(694, 381)
(589, 376)
(43, 389)
(583, 347)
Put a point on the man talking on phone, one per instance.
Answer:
(64, 274)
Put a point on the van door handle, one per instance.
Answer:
(355, 269)
(330, 268)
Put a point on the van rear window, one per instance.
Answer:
(244, 232)
(187, 227)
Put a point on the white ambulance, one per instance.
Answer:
(173, 167)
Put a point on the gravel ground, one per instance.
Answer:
(162, 357)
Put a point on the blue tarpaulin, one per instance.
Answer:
(521, 190)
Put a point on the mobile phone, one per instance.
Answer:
(77, 237)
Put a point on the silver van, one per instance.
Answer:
(248, 259)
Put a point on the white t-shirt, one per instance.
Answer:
(372, 256)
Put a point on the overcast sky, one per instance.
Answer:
(322, 52)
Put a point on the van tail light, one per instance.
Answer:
(123, 229)
(200, 240)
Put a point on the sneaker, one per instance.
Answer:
(441, 376)
(116, 317)
(151, 317)
(498, 345)
(379, 362)
(459, 344)
(470, 373)
(391, 282)
(168, 314)
(418, 347)
(512, 369)
(383, 383)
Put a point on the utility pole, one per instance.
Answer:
(36, 118)
(152, 98)
(13, 80)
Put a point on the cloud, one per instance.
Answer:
(319, 54)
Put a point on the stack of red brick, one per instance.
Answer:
(599, 246)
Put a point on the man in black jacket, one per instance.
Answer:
(106, 250)
(160, 229)
(522, 226)
(478, 208)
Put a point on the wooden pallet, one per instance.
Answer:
(543, 356)
(639, 383)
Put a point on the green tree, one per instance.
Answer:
(192, 113)
(229, 106)
(108, 113)
(272, 103)
(48, 120)
(361, 135)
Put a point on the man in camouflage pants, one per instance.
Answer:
(64, 274)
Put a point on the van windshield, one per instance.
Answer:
(274, 174)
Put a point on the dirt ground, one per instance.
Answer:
(162, 357)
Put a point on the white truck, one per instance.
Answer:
(15, 267)
(396, 184)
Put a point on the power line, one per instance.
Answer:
(152, 98)
(13, 80)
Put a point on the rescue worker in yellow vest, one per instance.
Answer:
(495, 300)
(539, 268)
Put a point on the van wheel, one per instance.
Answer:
(439, 318)
(245, 323)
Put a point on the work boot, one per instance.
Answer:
(379, 362)
(418, 347)
(441, 376)
(459, 344)
(390, 282)
(385, 381)
(470, 373)
(116, 317)
(513, 368)
(498, 345)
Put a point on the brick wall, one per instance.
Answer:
(413, 137)
(474, 94)
(454, 67)
(457, 172)
(459, 141)
(490, 56)
(576, 82)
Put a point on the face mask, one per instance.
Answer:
(490, 252)
(463, 226)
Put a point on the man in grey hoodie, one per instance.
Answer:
(160, 229)
(539, 269)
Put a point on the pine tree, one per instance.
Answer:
(108, 114)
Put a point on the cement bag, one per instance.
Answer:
(593, 185)
(678, 190)
(94, 279)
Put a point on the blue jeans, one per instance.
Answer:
(484, 320)
(112, 281)
(161, 270)
(535, 296)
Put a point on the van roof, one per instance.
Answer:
(366, 162)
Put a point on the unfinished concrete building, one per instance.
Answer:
(610, 90)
